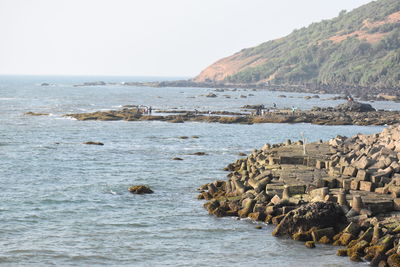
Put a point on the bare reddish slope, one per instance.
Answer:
(228, 66)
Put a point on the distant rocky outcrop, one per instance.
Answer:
(98, 83)
(341, 115)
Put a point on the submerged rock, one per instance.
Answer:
(36, 114)
(211, 95)
(93, 143)
(140, 189)
(310, 244)
(199, 154)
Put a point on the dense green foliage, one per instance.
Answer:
(307, 56)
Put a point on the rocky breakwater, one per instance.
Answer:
(345, 192)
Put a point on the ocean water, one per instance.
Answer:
(64, 203)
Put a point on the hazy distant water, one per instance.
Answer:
(65, 203)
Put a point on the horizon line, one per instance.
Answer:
(97, 75)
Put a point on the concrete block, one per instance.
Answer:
(296, 189)
(396, 204)
(362, 175)
(355, 185)
(382, 190)
(334, 171)
(367, 186)
(346, 184)
(331, 182)
(350, 171)
(320, 164)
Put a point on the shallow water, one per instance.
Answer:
(65, 203)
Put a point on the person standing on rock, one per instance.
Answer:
(293, 110)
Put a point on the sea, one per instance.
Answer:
(64, 203)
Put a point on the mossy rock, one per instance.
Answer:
(310, 244)
(219, 212)
(325, 240)
(357, 250)
(345, 239)
(337, 236)
(140, 189)
(268, 219)
(342, 252)
(257, 216)
(356, 257)
(394, 260)
(352, 243)
(302, 236)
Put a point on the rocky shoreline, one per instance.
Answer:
(345, 192)
(359, 92)
(351, 113)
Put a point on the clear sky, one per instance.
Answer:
(144, 37)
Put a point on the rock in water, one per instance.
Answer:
(310, 244)
(211, 95)
(317, 214)
(140, 189)
(94, 143)
(36, 113)
(354, 106)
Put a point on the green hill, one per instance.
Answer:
(357, 48)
